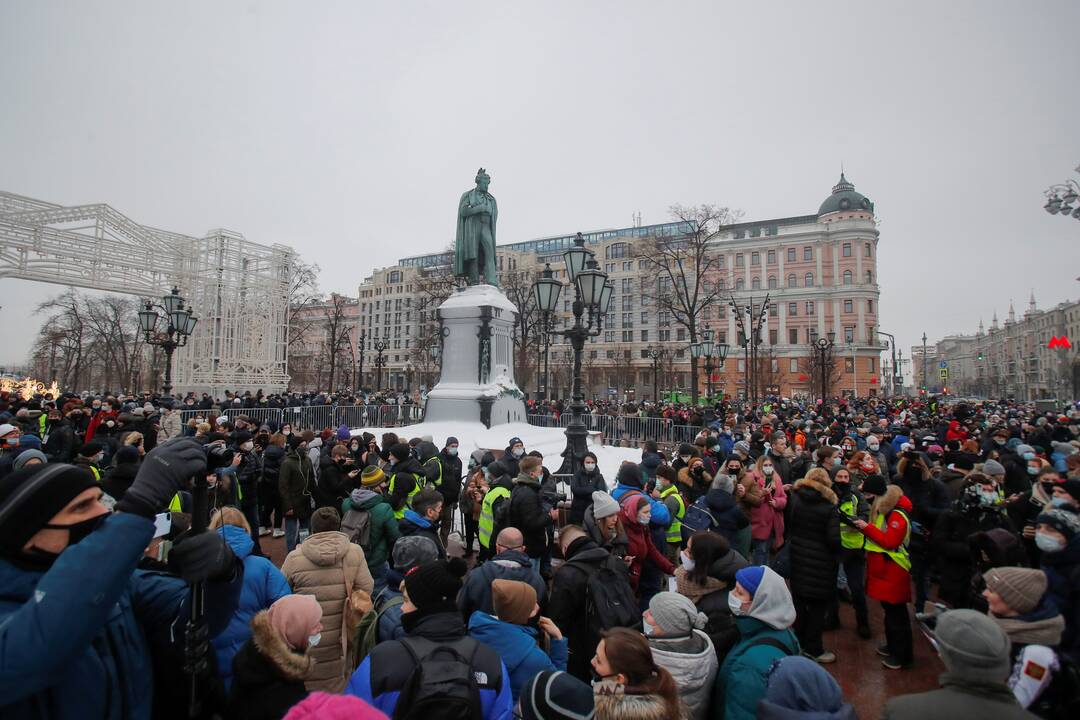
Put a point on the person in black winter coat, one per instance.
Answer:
(269, 671)
(724, 507)
(334, 483)
(62, 443)
(403, 474)
(527, 511)
(929, 500)
(812, 528)
(978, 509)
(509, 563)
(512, 455)
(706, 575)
(118, 478)
(585, 482)
(449, 486)
(270, 512)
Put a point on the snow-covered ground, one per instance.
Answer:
(549, 441)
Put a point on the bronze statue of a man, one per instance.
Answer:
(474, 250)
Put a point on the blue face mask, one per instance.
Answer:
(1047, 543)
(1059, 502)
(1029, 456)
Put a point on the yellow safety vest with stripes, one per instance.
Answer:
(438, 464)
(174, 504)
(850, 538)
(400, 514)
(899, 555)
(487, 513)
(674, 531)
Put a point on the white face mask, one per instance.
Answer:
(643, 520)
(313, 640)
(451, 451)
(687, 562)
(1047, 543)
(246, 447)
(767, 469)
(685, 458)
(518, 452)
(589, 467)
(648, 629)
(735, 605)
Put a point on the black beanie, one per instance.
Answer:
(874, 485)
(435, 583)
(31, 497)
(400, 452)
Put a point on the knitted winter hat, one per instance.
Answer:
(33, 454)
(675, 614)
(742, 447)
(1020, 588)
(973, 646)
(343, 433)
(603, 505)
(750, 578)
(1065, 522)
(451, 441)
(629, 474)
(371, 476)
(668, 473)
(324, 706)
(556, 695)
(1071, 486)
(400, 451)
(412, 550)
(435, 583)
(513, 601)
(30, 497)
(875, 485)
(993, 468)
(295, 618)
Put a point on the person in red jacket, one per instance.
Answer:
(956, 431)
(636, 513)
(888, 566)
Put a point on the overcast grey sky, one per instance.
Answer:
(348, 130)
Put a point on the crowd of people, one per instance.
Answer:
(422, 580)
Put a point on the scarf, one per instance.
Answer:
(691, 590)
(1046, 631)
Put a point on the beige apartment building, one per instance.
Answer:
(819, 272)
(1033, 357)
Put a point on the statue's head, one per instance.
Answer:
(482, 180)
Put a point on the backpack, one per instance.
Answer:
(367, 632)
(609, 599)
(357, 525)
(500, 513)
(698, 518)
(442, 685)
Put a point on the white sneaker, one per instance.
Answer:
(264, 531)
(279, 533)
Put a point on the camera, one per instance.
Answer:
(217, 457)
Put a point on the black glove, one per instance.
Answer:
(205, 556)
(161, 476)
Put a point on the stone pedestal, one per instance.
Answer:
(477, 378)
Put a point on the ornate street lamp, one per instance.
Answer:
(592, 295)
(180, 324)
(656, 354)
(547, 290)
(1060, 197)
(824, 344)
(380, 345)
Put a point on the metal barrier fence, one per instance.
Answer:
(320, 416)
(625, 430)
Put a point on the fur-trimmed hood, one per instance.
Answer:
(291, 665)
(817, 486)
(687, 479)
(612, 701)
(888, 502)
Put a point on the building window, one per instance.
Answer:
(847, 277)
(740, 284)
(627, 285)
(809, 307)
(792, 281)
(791, 254)
(627, 302)
(720, 284)
(680, 334)
(628, 336)
(808, 281)
(643, 264)
(755, 258)
(741, 365)
(869, 306)
(793, 365)
(723, 336)
(755, 284)
(808, 253)
(847, 250)
(849, 334)
(644, 336)
(617, 250)
(869, 250)
(770, 257)
(869, 278)
(628, 320)
(848, 305)
(644, 354)
(720, 262)
(628, 265)
(663, 318)
(664, 335)
(849, 365)
(772, 282)
(679, 354)
(811, 335)
(774, 337)
(873, 364)
(793, 336)
(394, 277)
(739, 261)
(644, 318)
(792, 309)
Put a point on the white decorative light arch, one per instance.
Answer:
(238, 289)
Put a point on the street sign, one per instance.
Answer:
(944, 373)
(943, 365)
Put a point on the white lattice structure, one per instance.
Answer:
(238, 289)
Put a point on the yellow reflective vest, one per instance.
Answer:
(674, 531)
(487, 513)
(899, 555)
(851, 538)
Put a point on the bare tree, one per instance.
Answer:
(337, 336)
(828, 365)
(683, 264)
(769, 372)
(303, 293)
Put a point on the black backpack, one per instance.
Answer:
(609, 599)
(357, 525)
(442, 685)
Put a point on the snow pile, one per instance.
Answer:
(549, 441)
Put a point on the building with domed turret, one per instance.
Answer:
(819, 272)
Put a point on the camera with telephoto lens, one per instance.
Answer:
(217, 457)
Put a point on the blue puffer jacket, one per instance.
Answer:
(71, 645)
(263, 584)
(661, 518)
(517, 647)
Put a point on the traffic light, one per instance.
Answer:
(980, 356)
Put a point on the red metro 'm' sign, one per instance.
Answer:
(1059, 342)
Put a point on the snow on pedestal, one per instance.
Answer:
(477, 379)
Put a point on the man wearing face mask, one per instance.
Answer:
(449, 486)
(247, 478)
(515, 450)
(1058, 537)
(74, 605)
